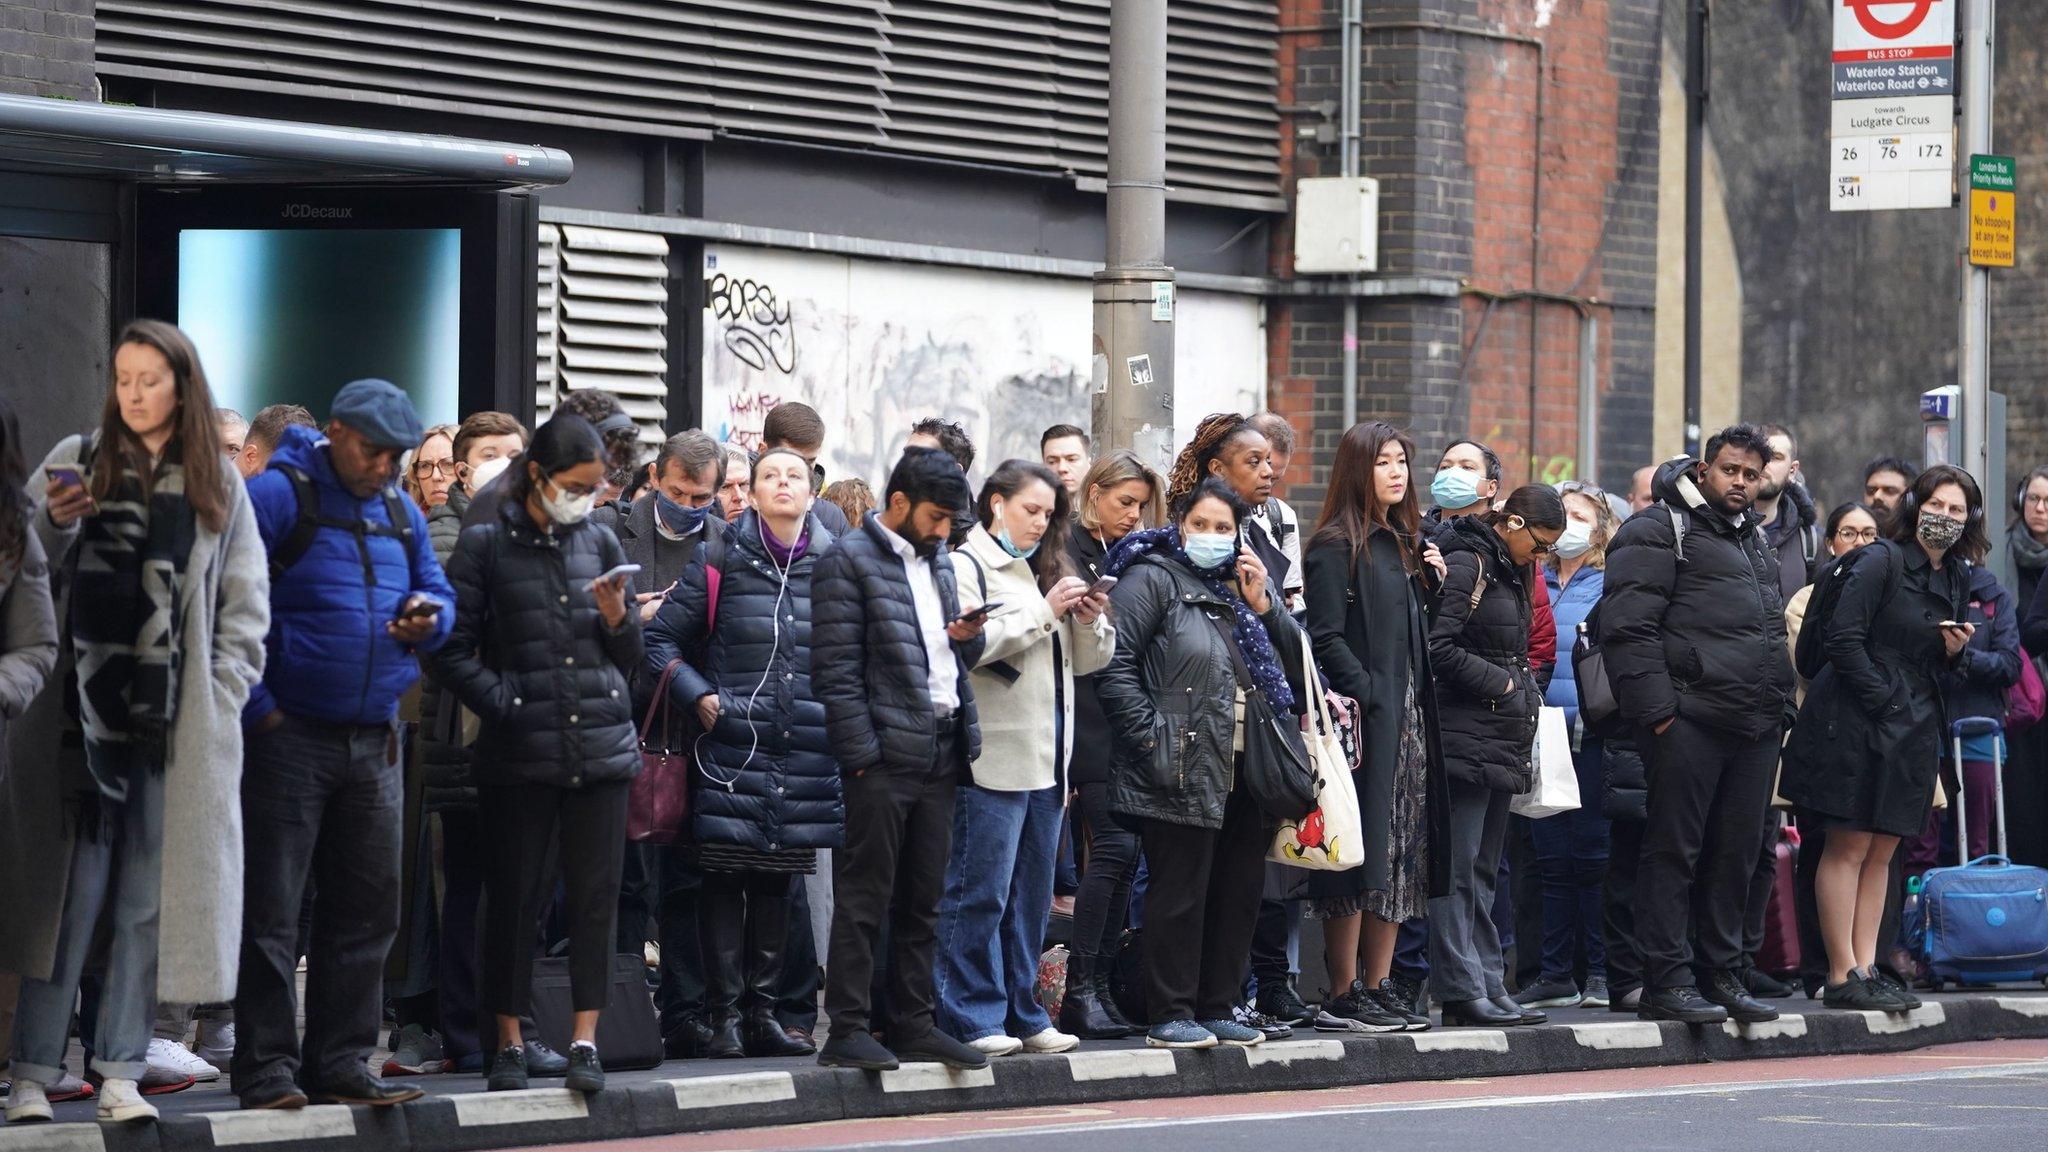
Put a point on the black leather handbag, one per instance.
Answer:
(1276, 767)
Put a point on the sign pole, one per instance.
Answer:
(1974, 360)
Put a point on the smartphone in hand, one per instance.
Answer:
(421, 607)
(614, 574)
(977, 613)
(1101, 587)
(67, 475)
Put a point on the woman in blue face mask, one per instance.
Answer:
(1043, 630)
(1191, 609)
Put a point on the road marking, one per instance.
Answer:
(928, 1077)
(1289, 1051)
(323, 1122)
(2033, 1006)
(732, 1091)
(1478, 1040)
(1889, 1023)
(1786, 1027)
(1133, 1064)
(1631, 1034)
(2033, 1068)
(52, 1138)
(529, 1106)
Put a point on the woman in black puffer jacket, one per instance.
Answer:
(767, 793)
(1487, 702)
(541, 650)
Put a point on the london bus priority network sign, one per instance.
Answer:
(1893, 138)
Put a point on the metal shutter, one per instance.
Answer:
(604, 320)
(1023, 83)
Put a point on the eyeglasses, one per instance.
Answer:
(433, 468)
(1856, 535)
(2033, 501)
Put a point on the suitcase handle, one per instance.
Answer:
(1970, 726)
(1991, 859)
(1961, 730)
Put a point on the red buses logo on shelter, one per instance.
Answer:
(1870, 30)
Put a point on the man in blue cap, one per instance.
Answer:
(355, 595)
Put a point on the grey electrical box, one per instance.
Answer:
(1337, 224)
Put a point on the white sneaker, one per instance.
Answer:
(26, 1102)
(215, 1043)
(121, 1102)
(172, 1056)
(1051, 1040)
(997, 1045)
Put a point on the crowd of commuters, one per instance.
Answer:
(362, 702)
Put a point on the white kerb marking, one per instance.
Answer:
(51, 1138)
(1133, 1064)
(1785, 1027)
(530, 1106)
(929, 1077)
(1930, 1015)
(1632, 1034)
(324, 1122)
(1478, 1040)
(1289, 1051)
(733, 1091)
(2034, 1006)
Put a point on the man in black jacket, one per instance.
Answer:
(889, 660)
(1694, 630)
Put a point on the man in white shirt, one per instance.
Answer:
(889, 661)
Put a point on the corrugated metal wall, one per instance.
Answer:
(1023, 83)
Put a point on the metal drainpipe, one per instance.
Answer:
(1351, 78)
(1536, 176)
(1589, 395)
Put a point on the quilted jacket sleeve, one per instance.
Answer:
(839, 660)
(1642, 570)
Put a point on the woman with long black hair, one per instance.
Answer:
(541, 650)
(1488, 698)
(168, 603)
(1367, 614)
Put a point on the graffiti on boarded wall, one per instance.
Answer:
(875, 346)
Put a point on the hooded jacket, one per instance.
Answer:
(1475, 652)
(329, 656)
(1702, 636)
(1795, 535)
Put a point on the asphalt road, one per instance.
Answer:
(1987, 1097)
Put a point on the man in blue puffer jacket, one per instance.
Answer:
(355, 594)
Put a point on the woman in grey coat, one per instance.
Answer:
(168, 602)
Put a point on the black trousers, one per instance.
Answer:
(1758, 900)
(519, 821)
(1104, 901)
(1201, 909)
(899, 833)
(1618, 907)
(1709, 791)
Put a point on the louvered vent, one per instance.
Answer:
(1021, 83)
(603, 320)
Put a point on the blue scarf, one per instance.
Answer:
(1252, 640)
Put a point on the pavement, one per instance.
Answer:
(700, 1096)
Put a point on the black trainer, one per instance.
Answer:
(1283, 1003)
(508, 1070)
(937, 1047)
(1889, 985)
(1858, 995)
(1410, 994)
(1764, 986)
(1682, 1003)
(586, 1071)
(1361, 1006)
(542, 1060)
(1394, 1000)
(1726, 989)
(856, 1050)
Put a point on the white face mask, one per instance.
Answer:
(1575, 541)
(563, 508)
(482, 475)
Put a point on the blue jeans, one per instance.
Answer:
(119, 870)
(992, 915)
(1571, 851)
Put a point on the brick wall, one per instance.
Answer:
(46, 48)
(1448, 128)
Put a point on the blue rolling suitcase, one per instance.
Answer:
(1986, 921)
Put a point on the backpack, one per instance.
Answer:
(308, 523)
(1810, 653)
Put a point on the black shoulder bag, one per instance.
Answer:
(1276, 766)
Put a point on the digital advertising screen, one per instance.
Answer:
(287, 316)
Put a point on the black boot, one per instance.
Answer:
(1081, 1010)
(722, 936)
(767, 935)
(1107, 999)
